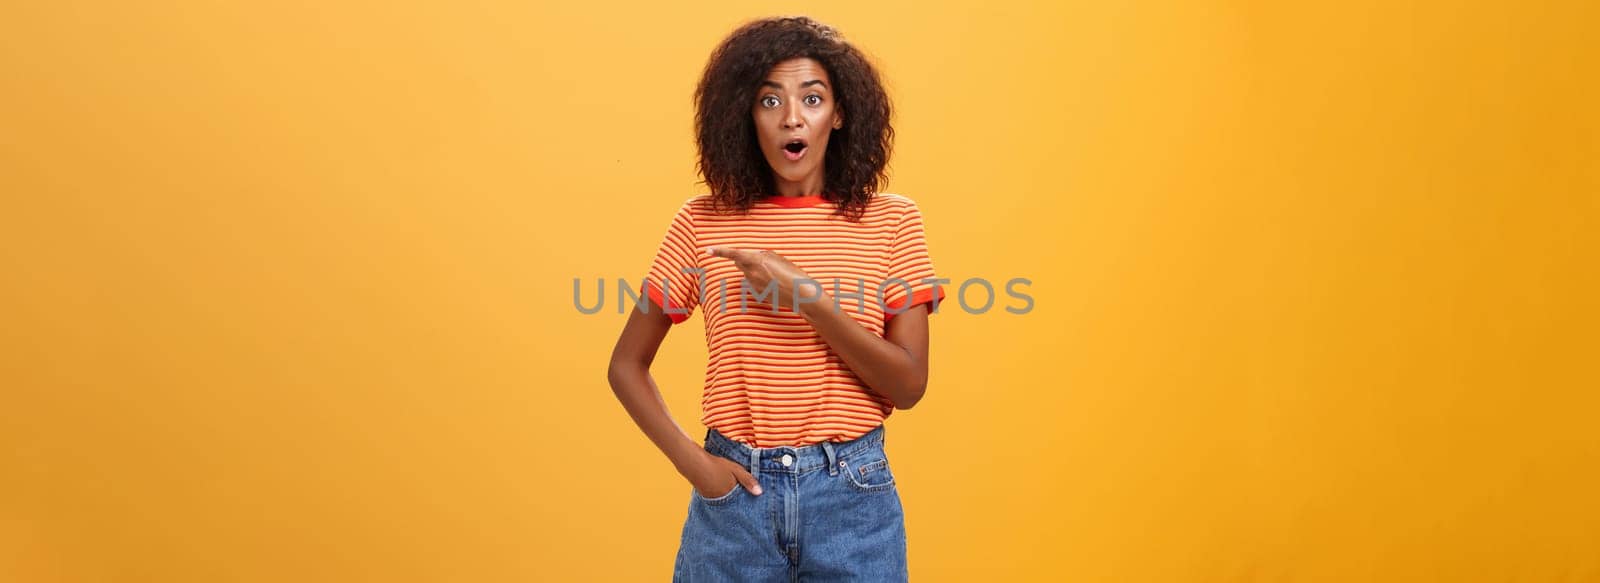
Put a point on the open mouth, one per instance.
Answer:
(794, 149)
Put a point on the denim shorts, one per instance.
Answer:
(828, 511)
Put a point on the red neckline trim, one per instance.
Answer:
(795, 201)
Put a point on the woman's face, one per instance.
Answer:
(795, 106)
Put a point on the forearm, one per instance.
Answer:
(885, 367)
(633, 386)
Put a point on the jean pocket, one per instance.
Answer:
(868, 473)
(719, 500)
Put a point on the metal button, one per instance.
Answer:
(787, 459)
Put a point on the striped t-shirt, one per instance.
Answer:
(770, 378)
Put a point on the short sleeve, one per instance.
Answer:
(909, 267)
(673, 283)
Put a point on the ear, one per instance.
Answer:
(838, 121)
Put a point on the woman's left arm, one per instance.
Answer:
(895, 366)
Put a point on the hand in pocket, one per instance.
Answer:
(715, 477)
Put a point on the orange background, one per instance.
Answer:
(288, 288)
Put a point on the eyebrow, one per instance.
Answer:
(802, 85)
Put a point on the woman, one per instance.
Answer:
(816, 291)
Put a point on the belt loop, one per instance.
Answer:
(755, 462)
(828, 455)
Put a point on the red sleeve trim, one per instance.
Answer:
(655, 298)
(931, 296)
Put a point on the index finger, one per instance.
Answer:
(733, 253)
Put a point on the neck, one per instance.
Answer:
(811, 185)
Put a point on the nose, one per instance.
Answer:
(791, 116)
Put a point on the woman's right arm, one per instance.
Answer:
(629, 375)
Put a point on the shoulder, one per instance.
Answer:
(699, 204)
(892, 200)
(693, 206)
(901, 207)
(895, 204)
(696, 201)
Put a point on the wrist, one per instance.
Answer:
(813, 309)
(690, 460)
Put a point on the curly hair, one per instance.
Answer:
(730, 158)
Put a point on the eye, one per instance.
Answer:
(818, 99)
(769, 101)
